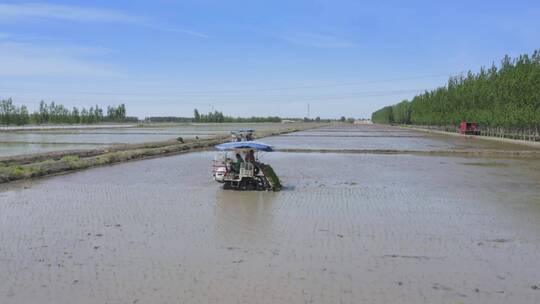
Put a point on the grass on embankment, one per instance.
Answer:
(74, 162)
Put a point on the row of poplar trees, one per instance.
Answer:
(503, 96)
(53, 113)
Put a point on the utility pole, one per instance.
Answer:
(308, 114)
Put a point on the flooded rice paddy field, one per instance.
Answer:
(34, 141)
(347, 228)
(12, 149)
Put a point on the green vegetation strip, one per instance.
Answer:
(74, 162)
(503, 96)
(29, 166)
(10, 114)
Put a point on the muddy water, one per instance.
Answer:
(347, 228)
(12, 149)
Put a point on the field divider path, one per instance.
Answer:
(346, 136)
(457, 153)
(534, 144)
(42, 164)
(54, 143)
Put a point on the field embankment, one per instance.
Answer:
(42, 164)
(531, 140)
(455, 152)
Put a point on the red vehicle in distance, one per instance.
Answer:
(469, 128)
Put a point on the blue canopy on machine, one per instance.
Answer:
(255, 145)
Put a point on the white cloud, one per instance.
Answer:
(10, 13)
(62, 12)
(19, 59)
(316, 40)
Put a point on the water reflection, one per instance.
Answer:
(244, 216)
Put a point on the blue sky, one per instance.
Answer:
(166, 57)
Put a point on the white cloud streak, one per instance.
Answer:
(13, 13)
(19, 59)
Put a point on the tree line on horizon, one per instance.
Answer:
(507, 95)
(212, 117)
(218, 117)
(54, 113)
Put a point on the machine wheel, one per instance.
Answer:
(251, 185)
(262, 183)
(242, 184)
(258, 183)
(248, 184)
